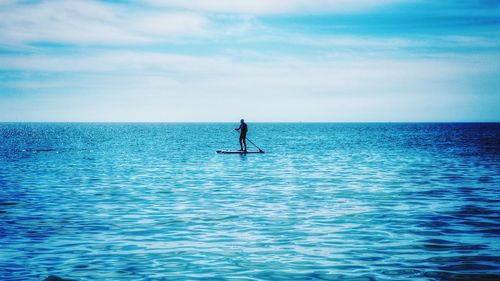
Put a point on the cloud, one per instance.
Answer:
(88, 22)
(213, 60)
(149, 86)
(273, 6)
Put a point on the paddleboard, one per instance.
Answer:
(237, 152)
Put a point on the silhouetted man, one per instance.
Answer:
(243, 129)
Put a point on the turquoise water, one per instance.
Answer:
(325, 202)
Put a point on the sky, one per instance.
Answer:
(262, 60)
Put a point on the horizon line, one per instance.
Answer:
(254, 122)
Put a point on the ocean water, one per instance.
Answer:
(325, 202)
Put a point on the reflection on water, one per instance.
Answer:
(326, 201)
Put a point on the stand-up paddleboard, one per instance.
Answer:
(238, 152)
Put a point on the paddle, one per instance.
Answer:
(260, 150)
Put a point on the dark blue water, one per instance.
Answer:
(326, 202)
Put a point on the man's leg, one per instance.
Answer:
(245, 141)
(241, 142)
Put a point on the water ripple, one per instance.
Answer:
(326, 202)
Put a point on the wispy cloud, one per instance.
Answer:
(88, 22)
(273, 6)
(159, 86)
(297, 60)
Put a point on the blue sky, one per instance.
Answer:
(264, 60)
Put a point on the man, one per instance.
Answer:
(243, 129)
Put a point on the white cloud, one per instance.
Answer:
(88, 22)
(159, 62)
(169, 24)
(272, 6)
(144, 86)
(337, 78)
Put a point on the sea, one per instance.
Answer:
(326, 201)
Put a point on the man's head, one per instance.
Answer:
(242, 121)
